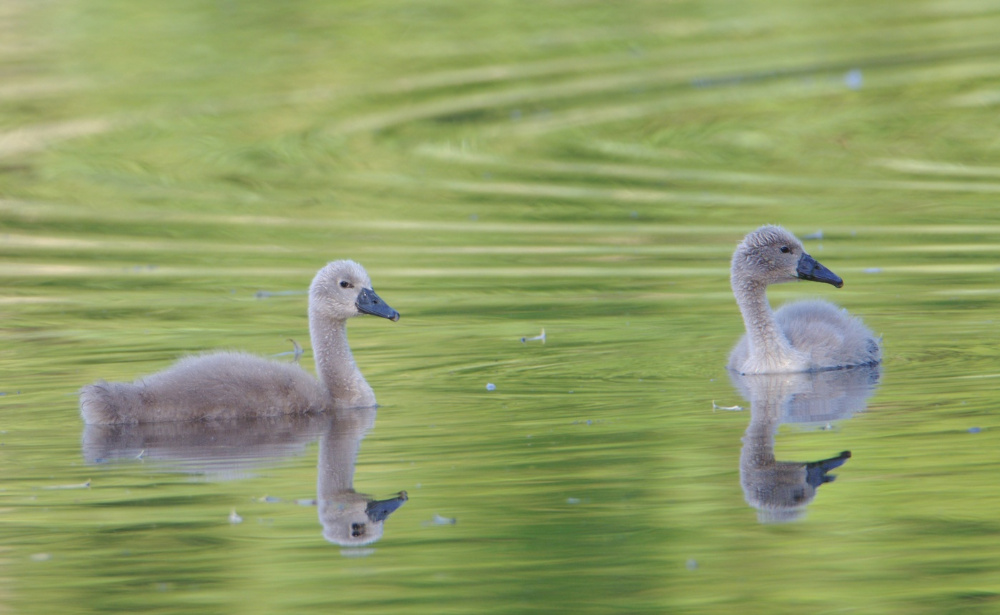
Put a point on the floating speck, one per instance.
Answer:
(573, 500)
(235, 518)
(440, 520)
(295, 352)
(306, 502)
(974, 430)
(490, 386)
(41, 557)
(817, 235)
(264, 294)
(692, 564)
(853, 79)
(873, 270)
(83, 485)
(539, 337)
(716, 406)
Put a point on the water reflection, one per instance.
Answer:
(349, 518)
(781, 490)
(228, 450)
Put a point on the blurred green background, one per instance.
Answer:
(499, 168)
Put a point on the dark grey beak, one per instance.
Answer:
(810, 269)
(379, 510)
(816, 472)
(370, 303)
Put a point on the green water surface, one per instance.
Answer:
(500, 168)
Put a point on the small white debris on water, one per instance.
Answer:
(490, 386)
(296, 351)
(264, 294)
(854, 79)
(715, 406)
(439, 520)
(540, 337)
(873, 270)
(83, 485)
(235, 518)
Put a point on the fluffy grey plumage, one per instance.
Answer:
(803, 336)
(231, 385)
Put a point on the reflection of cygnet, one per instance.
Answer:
(228, 450)
(215, 450)
(349, 518)
(781, 490)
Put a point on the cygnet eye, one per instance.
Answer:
(346, 284)
(785, 249)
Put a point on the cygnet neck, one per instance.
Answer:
(335, 364)
(767, 343)
(338, 451)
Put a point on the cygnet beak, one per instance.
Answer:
(379, 510)
(810, 269)
(370, 303)
(816, 472)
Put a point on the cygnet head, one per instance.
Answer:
(342, 289)
(353, 519)
(771, 255)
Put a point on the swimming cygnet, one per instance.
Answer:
(229, 385)
(803, 336)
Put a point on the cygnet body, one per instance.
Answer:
(229, 385)
(802, 336)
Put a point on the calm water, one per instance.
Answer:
(501, 169)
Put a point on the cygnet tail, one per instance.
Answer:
(109, 403)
